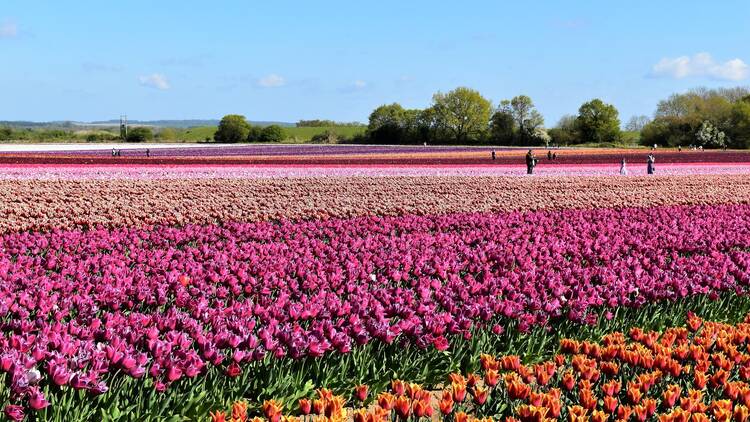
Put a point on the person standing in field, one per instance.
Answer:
(493, 155)
(623, 168)
(530, 162)
(650, 164)
(148, 152)
(549, 155)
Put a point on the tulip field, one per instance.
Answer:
(374, 283)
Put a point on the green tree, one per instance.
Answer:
(6, 133)
(272, 133)
(387, 124)
(740, 124)
(526, 116)
(598, 122)
(254, 134)
(233, 128)
(502, 127)
(462, 115)
(140, 134)
(168, 134)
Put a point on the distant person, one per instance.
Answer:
(148, 153)
(554, 156)
(425, 144)
(623, 167)
(493, 155)
(679, 148)
(531, 162)
(549, 155)
(650, 164)
(114, 152)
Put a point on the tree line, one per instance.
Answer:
(711, 118)
(464, 116)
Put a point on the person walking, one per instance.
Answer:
(650, 164)
(530, 162)
(623, 167)
(493, 155)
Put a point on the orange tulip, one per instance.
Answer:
(699, 417)
(650, 406)
(359, 415)
(239, 411)
(218, 416)
(528, 413)
(480, 395)
(489, 362)
(611, 388)
(491, 377)
(610, 404)
(634, 393)
(459, 392)
(510, 362)
(422, 409)
(700, 379)
(641, 413)
(671, 395)
(398, 387)
(719, 378)
(402, 407)
(568, 381)
(599, 416)
(624, 412)
(741, 413)
(386, 401)
(577, 414)
(272, 410)
(517, 390)
(446, 403)
(587, 399)
(318, 406)
(461, 417)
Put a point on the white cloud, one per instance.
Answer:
(359, 84)
(271, 81)
(155, 80)
(700, 65)
(8, 30)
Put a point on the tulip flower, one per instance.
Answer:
(360, 392)
(305, 406)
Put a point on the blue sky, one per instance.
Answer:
(290, 60)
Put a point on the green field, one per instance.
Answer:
(294, 134)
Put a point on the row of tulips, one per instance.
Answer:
(65, 204)
(169, 304)
(36, 172)
(698, 372)
(352, 157)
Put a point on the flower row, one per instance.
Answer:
(169, 302)
(697, 373)
(65, 204)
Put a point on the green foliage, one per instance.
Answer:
(140, 134)
(273, 133)
(502, 127)
(598, 122)
(327, 137)
(679, 118)
(374, 364)
(6, 133)
(233, 128)
(461, 115)
(167, 134)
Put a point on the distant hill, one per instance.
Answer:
(179, 124)
(182, 124)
